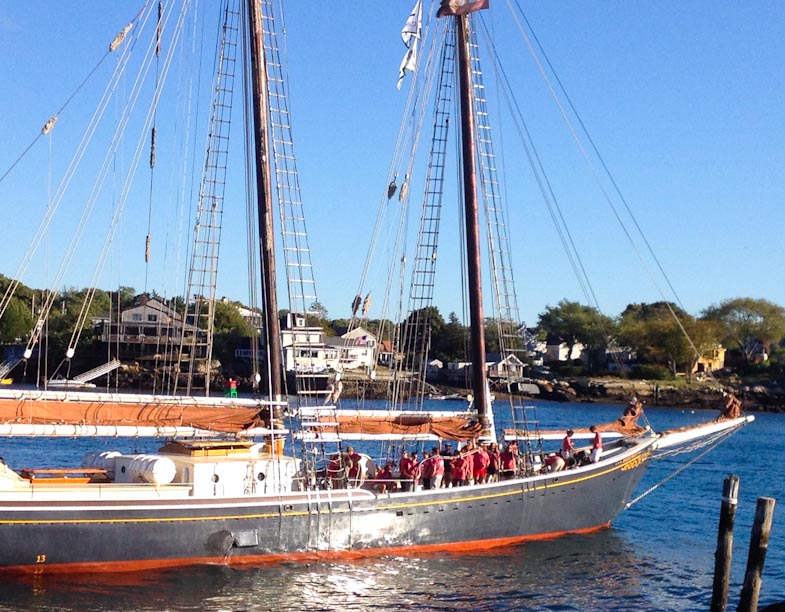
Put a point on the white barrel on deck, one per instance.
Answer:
(105, 460)
(153, 469)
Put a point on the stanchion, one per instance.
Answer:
(759, 543)
(724, 554)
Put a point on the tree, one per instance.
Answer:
(452, 342)
(664, 334)
(748, 324)
(229, 326)
(17, 322)
(418, 331)
(319, 311)
(229, 320)
(574, 322)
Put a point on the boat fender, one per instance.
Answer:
(220, 543)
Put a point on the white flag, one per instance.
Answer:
(411, 29)
(411, 38)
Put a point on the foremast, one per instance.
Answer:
(265, 201)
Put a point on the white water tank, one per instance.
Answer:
(105, 460)
(152, 468)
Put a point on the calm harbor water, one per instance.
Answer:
(657, 556)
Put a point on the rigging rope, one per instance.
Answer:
(605, 168)
(136, 90)
(53, 119)
(709, 443)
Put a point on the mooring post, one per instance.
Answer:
(724, 553)
(759, 543)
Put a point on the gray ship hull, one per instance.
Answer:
(120, 535)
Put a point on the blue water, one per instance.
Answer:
(657, 556)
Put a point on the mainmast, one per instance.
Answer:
(264, 195)
(471, 211)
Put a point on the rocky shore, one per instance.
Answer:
(699, 395)
(768, 397)
(696, 396)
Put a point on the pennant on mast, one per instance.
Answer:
(410, 35)
(461, 7)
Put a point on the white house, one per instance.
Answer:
(558, 350)
(307, 348)
(434, 368)
(356, 349)
(149, 322)
(508, 367)
(304, 347)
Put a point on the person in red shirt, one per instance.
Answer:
(480, 461)
(415, 471)
(460, 469)
(406, 471)
(426, 470)
(385, 476)
(509, 460)
(596, 447)
(437, 472)
(553, 463)
(494, 462)
(353, 462)
(568, 447)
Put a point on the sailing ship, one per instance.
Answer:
(247, 479)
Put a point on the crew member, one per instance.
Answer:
(596, 446)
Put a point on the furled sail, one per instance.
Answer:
(393, 424)
(113, 410)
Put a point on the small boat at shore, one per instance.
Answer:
(274, 477)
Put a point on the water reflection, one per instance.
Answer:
(600, 571)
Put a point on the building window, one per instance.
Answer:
(152, 318)
(136, 317)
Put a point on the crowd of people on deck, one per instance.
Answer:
(477, 462)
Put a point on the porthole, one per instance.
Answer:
(216, 478)
(260, 476)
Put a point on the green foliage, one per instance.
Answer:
(748, 324)
(453, 342)
(17, 321)
(574, 323)
(570, 370)
(319, 311)
(228, 320)
(229, 329)
(650, 372)
(663, 334)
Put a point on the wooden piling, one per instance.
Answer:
(724, 553)
(759, 543)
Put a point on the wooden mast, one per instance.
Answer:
(264, 202)
(471, 211)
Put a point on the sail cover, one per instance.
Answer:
(445, 427)
(142, 411)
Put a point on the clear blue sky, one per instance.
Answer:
(685, 101)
